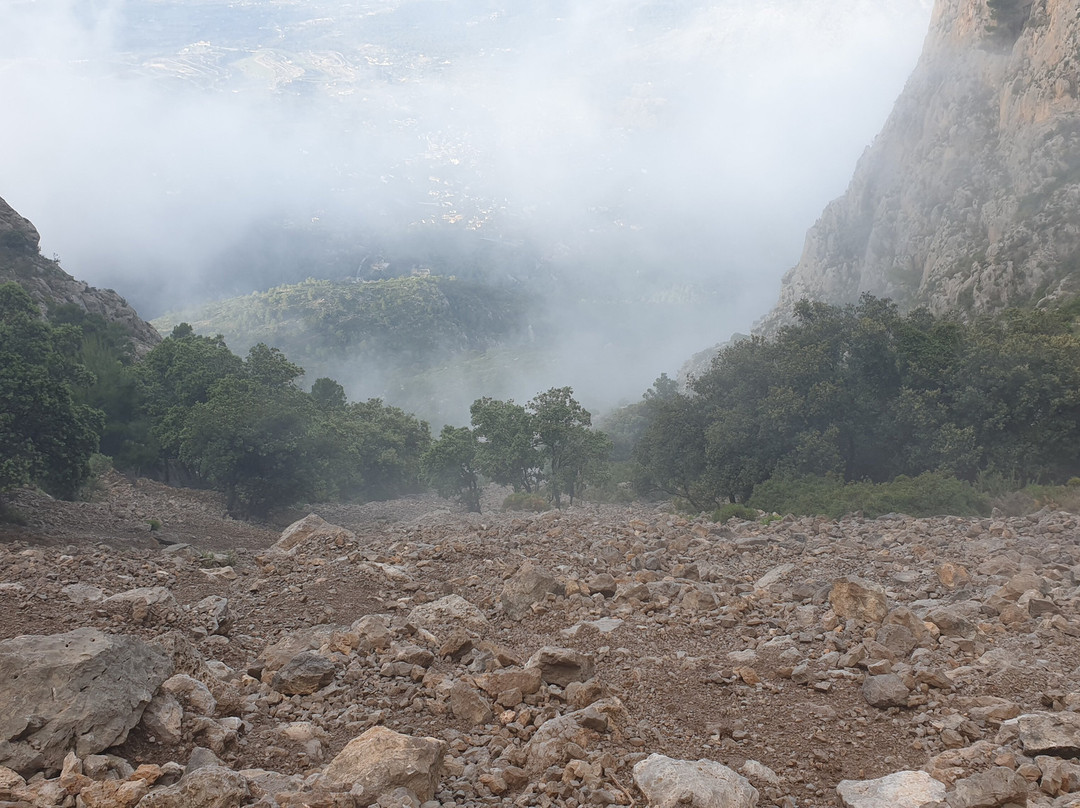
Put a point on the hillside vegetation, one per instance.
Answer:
(863, 393)
(857, 407)
(420, 320)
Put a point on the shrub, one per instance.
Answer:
(734, 511)
(1031, 498)
(522, 501)
(929, 494)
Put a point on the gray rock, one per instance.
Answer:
(1058, 776)
(561, 666)
(193, 694)
(667, 783)
(83, 593)
(81, 691)
(451, 610)
(148, 595)
(550, 745)
(898, 639)
(214, 612)
(886, 690)
(1050, 733)
(524, 588)
(952, 623)
(312, 532)
(303, 674)
(603, 583)
(897, 790)
(468, 704)
(202, 758)
(995, 787)
(163, 717)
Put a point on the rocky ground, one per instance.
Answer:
(406, 653)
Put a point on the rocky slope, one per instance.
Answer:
(22, 262)
(967, 200)
(600, 656)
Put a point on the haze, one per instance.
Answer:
(653, 151)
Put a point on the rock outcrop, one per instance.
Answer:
(80, 691)
(47, 283)
(967, 199)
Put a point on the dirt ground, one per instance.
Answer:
(711, 680)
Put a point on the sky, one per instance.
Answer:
(681, 144)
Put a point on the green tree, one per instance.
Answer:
(254, 436)
(570, 453)
(328, 394)
(175, 376)
(507, 452)
(46, 435)
(374, 451)
(863, 393)
(450, 466)
(669, 456)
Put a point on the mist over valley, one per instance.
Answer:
(637, 175)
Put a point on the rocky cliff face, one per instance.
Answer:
(20, 261)
(969, 199)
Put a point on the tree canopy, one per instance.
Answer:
(863, 392)
(46, 434)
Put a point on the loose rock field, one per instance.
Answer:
(409, 654)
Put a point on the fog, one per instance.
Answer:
(664, 154)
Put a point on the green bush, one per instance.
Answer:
(522, 501)
(929, 494)
(734, 511)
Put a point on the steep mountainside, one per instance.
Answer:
(969, 199)
(21, 261)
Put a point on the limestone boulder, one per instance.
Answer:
(855, 599)
(205, 787)
(525, 587)
(667, 783)
(885, 690)
(561, 666)
(1050, 733)
(898, 790)
(450, 611)
(381, 760)
(303, 674)
(80, 691)
(314, 532)
(995, 787)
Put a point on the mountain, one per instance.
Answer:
(21, 261)
(969, 199)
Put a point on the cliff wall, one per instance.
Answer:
(969, 199)
(21, 261)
